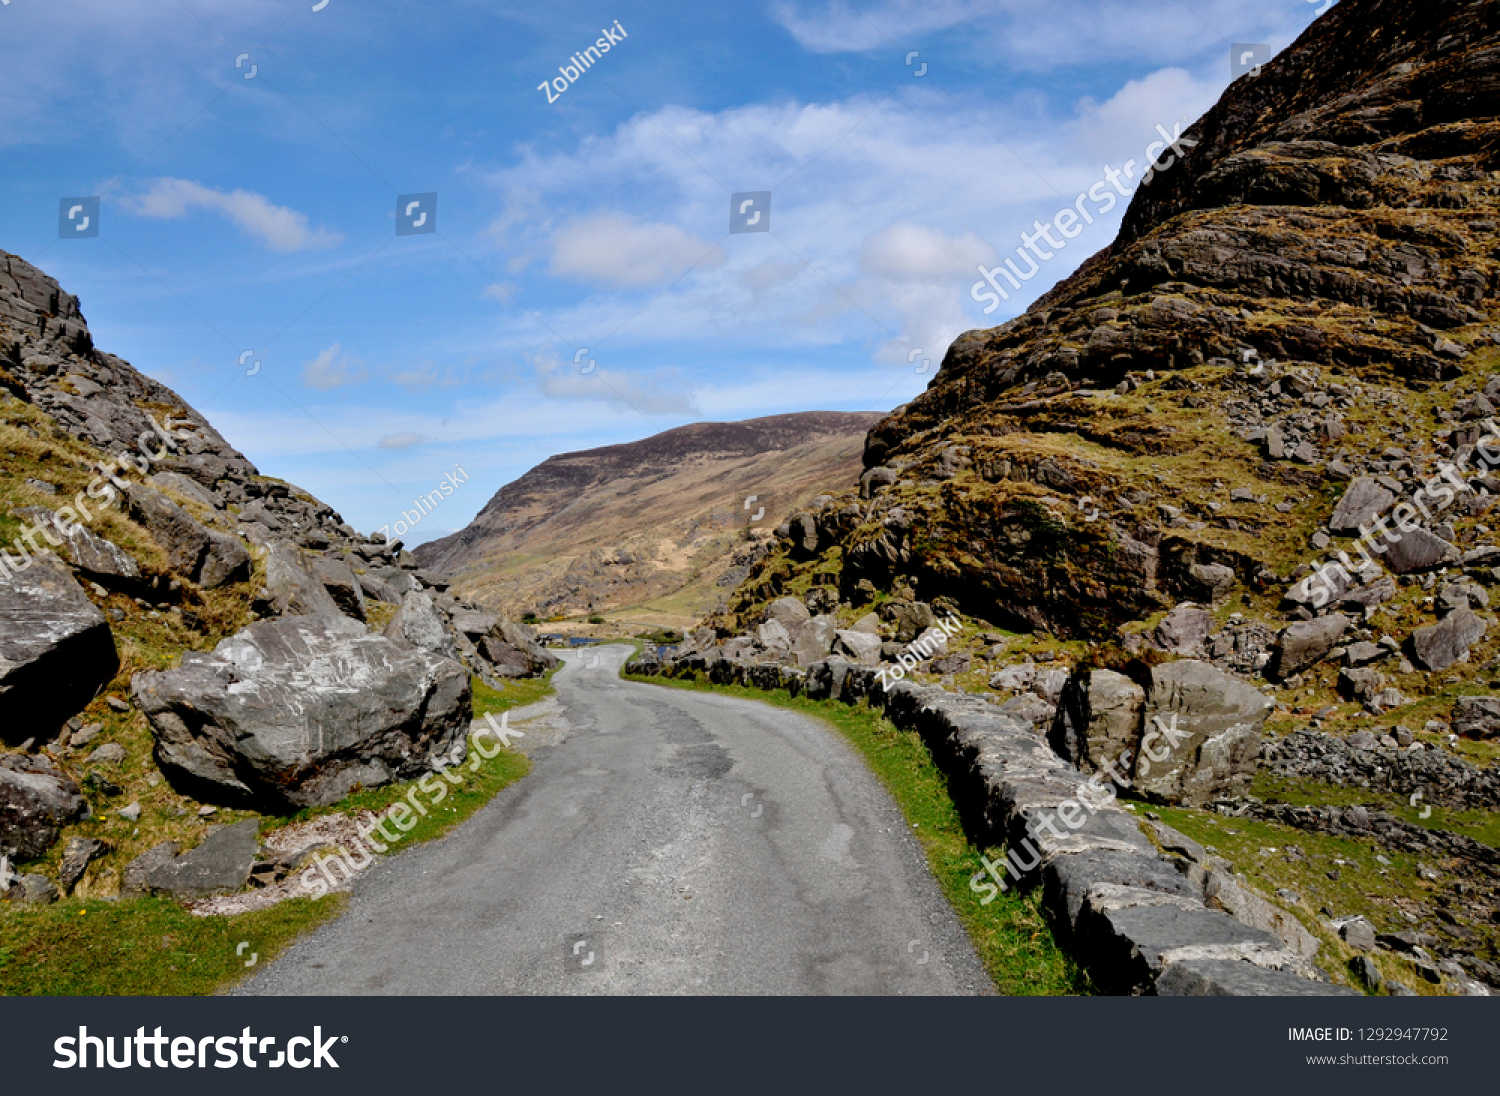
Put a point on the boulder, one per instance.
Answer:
(293, 589)
(1098, 718)
(1476, 716)
(1307, 642)
(379, 589)
(297, 712)
(815, 640)
(1364, 500)
(1016, 678)
(37, 799)
(874, 479)
(30, 890)
(1223, 892)
(1207, 977)
(225, 561)
(1417, 550)
(56, 650)
(208, 558)
(514, 647)
(474, 623)
(1440, 645)
(790, 613)
(187, 488)
(772, 636)
(420, 623)
(1185, 629)
(909, 619)
(342, 584)
(77, 856)
(804, 535)
(1211, 581)
(1201, 734)
(99, 559)
(138, 871)
(933, 643)
(858, 647)
(869, 623)
(221, 865)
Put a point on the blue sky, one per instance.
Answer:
(259, 214)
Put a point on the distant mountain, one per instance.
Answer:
(661, 525)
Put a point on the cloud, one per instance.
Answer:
(614, 249)
(281, 229)
(662, 392)
(835, 26)
(400, 441)
(333, 369)
(906, 250)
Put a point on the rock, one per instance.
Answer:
(858, 647)
(1098, 718)
(1217, 721)
(804, 535)
(869, 623)
(1358, 933)
(472, 623)
(790, 613)
(874, 479)
(1476, 716)
(77, 856)
(1364, 500)
(30, 890)
(1204, 977)
(960, 663)
(221, 865)
(111, 753)
(933, 643)
(342, 584)
(1440, 645)
(293, 589)
(1366, 973)
(772, 636)
(1030, 710)
(1222, 891)
(131, 813)
(1180, 844)
(209, 558)
(138, 871)
(85, 735)
(187, 488)
(419, 623)
(1306, 642)
(515, 651)
(377, 588)
(1418, 550)
(37, 799)
(909, 619)
(297, 712)
(1185, 629)
(56, 649)
(814, 640)
(1211, 581)
(94, 556)
(1364, 653)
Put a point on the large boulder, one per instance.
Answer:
(420, 623)
(909, 619)
(790, 613)
(297, 712)
(771, 635)
(1448, 641)
(209, 558)
(1098, 718)
(342, 584)
(37, 799)
(1185, 630)
(1201, 734)
(1418, 550)
(294, 590)
(56, 649)
(100, 559)
(1364, 500)
(1476, 716)
(1307, 642)
(509, 642)
(858, 647)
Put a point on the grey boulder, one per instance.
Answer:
(1476, 716)
(1364, 500)
(1418, 550)
(1201, 734)
(1440, 645)
(1098, 718)
(56, 650)
(221, 865)
(299, 711)
(1307, 642)
(37, 799)
(294, 590)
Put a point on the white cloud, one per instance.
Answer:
(661, 392)
(333, 369)
(906, 250)
(616, 250)
(400, 441)
(835, 26)
(281, 229)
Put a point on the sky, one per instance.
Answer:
(577, 282)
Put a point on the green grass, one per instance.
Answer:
(146, 946)
(518, 693)
(1482, 825)
(1010, 935)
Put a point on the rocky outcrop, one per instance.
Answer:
(56, 650)
(37, 799)
(299, 711)
(1207, 727)
(1098, 718)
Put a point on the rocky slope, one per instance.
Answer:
(179, 633)
(660, 526)
(1251, 434)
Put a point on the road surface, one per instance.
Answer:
(665, 842)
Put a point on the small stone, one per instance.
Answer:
(131, 813)
(118, 704)
(207, 812)
(111, 753)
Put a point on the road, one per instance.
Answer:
(665, 842)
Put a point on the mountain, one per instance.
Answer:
(662, 527)
(1305, 300)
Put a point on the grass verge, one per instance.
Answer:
(1010, 935)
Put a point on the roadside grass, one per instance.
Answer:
(1010, 935)
(143, 947)
(518, 693)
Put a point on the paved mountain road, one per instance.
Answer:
(687, 842)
